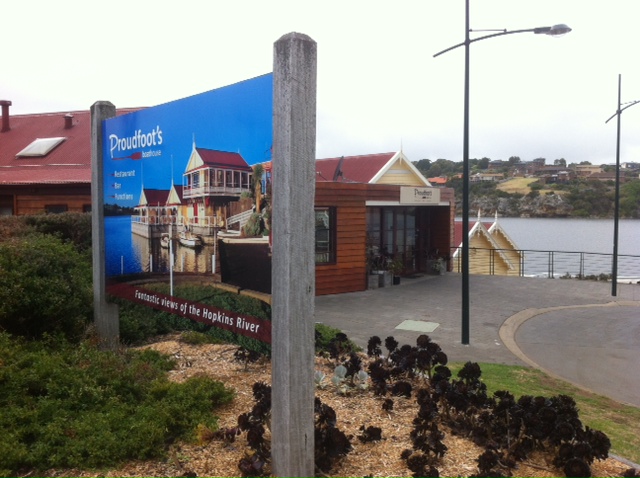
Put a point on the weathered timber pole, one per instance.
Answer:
(293, 260)
(105, 314)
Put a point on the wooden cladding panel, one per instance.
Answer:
(29, 204)
(349, 272)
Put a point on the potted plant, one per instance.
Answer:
(395, 267)
(438, 266)
(374, 268)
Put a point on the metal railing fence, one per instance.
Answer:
(551, 264)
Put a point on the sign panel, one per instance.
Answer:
(419, 195)
(172, 174)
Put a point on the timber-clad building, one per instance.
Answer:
(375, 210)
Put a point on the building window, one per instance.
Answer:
(55, 208)
(6, 205)
(325, 235)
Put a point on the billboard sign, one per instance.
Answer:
(173, 175)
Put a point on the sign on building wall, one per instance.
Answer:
(171, 174)
(419, 195)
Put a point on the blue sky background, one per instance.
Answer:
(236, 118)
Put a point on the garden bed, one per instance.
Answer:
(211, 457)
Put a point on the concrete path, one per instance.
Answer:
(571, 329)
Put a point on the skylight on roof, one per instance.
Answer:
(40, 147)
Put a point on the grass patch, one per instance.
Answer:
(621, 423)
(517, 185)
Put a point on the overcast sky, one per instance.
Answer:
(379, 87)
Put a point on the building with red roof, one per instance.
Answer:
(45, 162)
(384, 168)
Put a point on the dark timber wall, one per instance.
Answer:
(348, 274)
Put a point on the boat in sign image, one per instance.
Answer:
(188, 239)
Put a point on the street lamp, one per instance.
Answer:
(556, 30)
(616, 208)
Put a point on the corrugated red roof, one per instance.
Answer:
(223, 159)
(44, 174)
(354, 169)
(70, 162)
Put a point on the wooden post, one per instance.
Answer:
(293, 260)
(105, 314)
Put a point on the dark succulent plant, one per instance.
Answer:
(577, 467)
(487, 461)
(387, 405)
(228, 435)
(339, 345)
(330, 442)
(631, 473)
(370, 434)
(401, 389)
(252, 466)
(373, 346)
(390, 344)
(509, 429)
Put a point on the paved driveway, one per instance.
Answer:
(595, 347)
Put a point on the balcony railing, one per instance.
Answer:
(551, 264)
(203, 191)
(205, 221)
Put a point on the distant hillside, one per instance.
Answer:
(525, 197)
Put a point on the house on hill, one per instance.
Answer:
(438, 181)
(491, 250)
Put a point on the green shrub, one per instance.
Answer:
(45, 287)
(324, 336)
(67, 405)
(254, 226)
(69, 226)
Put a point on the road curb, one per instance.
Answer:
(510, 326)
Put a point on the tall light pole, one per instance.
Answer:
(555, 30)
(616, 207)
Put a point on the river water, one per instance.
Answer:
(581, 235)
(561, 246)
(128, 253)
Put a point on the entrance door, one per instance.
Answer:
(392, 234)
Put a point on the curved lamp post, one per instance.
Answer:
(616, 209)
(555, 30)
